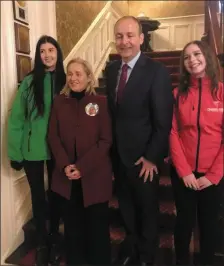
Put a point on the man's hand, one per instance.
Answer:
(72, 172)
(147, 169)
(191, 182)
(203, 182)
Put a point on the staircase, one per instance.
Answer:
(169, 58)
(25, 254)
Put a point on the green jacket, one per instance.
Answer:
(27, 138)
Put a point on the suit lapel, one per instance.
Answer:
(113, 80)
(135, 75)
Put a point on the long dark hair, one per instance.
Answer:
(36, 89)
(211, 69)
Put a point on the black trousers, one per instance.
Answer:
(138, 202)
(35, 175)
(191, 205)
(86, 230)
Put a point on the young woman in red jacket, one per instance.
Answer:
(196, 149)
(80, 139)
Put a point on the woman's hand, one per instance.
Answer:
(191, 182)
(203, 182)
(72, 172)
(75, 175)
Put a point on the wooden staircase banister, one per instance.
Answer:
(213, 30)
(212, 26)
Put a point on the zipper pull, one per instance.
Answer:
(193, 108)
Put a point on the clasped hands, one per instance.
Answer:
(72, 172)
(147, 170)
(191, 182)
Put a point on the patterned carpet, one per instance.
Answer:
(25, 254)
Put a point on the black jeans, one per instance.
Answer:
(35, 175)
(87, 235)
(191, 205)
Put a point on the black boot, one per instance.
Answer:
(55, 249)
(42, 254)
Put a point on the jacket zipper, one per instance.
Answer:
(198, 127)
(29, 135)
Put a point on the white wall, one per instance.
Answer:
(15, 195)
(174, 33)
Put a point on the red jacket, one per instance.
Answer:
(196, 139)
(72, 129)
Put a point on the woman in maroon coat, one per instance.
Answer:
(80, 140)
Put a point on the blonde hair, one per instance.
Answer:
(89, 72)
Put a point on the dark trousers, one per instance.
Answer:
(87, 235)
(54, 201)
(191, 205)
(138, 203)
(35, 175)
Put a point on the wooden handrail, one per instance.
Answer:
(213, 29)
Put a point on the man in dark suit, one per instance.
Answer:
(140, 101)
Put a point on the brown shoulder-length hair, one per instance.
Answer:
(89, 72)
(211, 70)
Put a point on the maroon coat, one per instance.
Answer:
(70, 126)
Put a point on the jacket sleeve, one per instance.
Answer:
(16, 124)
(216, 171)
(176, 150)
(101, 149)
(54, 139)
(161, 105)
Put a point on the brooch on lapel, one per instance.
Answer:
(92, 109)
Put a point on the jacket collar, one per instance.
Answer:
(194, 82)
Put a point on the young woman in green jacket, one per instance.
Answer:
(27, 132)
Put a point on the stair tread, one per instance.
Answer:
(167, 207)
(164, 181)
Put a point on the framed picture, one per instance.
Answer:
(23, 66)
(22, 39)
(20, 10)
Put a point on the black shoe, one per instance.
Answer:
(41, 258)
(55, 249)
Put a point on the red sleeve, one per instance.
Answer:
(216, 171)
(54, 140)
(100, 150)
(176, 148)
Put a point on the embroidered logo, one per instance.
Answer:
(215, 109)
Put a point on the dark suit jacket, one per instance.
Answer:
(142, 121)
(71, 128)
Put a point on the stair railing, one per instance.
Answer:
(214, 30)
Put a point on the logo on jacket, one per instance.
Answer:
(92, 109)
(216, 108)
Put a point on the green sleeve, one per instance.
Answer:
(16, 124)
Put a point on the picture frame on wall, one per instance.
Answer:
(23, 66)
(20, 10)
(22, 39)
